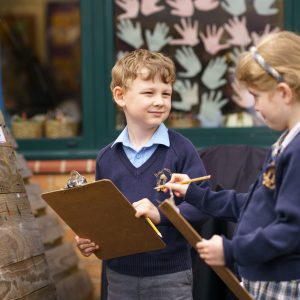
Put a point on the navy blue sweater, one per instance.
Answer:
(137, 183)
(266, 244)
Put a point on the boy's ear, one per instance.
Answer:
(285, 92)
(118, 94)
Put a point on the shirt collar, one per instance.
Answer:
(290, 135)
(160, 136)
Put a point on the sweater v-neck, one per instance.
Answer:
(137, 171)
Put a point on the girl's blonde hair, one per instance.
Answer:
(129, 68)
(282, 52)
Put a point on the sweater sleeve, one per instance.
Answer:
(226, 204)
(98, 175)
(272, 233)
(280, 237)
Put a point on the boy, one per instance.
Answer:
(145, 155)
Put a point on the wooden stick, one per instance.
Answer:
(186, 182)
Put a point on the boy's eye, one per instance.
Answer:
(167, 94)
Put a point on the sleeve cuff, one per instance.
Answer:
(228, 252)
(194, 194)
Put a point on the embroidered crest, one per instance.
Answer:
(269, 176)
(163, 176)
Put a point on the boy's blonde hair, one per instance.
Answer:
(279, 50)
(129, 67)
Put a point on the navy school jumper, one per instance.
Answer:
(266, 243)
(137, 183)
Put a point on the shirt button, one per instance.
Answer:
(138, 156)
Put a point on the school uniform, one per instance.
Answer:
(167, 152)
(266, 244)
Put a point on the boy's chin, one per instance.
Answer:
(155, 122)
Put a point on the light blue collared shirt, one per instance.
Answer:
(139, 157)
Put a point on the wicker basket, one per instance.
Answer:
(59, 129)
(25, 129)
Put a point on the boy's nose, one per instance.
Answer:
(158, 101)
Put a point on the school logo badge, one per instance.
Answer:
(269, 176)
(163, 176)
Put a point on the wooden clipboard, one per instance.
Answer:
(192, 236)
(100, 212)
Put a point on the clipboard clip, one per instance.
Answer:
(75, 180)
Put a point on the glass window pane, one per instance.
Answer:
(204, 39)
(41, 67)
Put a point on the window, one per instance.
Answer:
(42, 70)
(204, 40)
(41, 67)
(76, 62)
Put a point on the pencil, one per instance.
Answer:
(186, 182)
(153, 226)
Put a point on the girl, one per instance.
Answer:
(266, 244)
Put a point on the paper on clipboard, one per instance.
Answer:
(100, 212)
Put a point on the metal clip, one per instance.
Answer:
(75, 180)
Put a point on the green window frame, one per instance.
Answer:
(98, 107)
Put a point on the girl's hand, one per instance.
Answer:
(212, 251)
(178, 189)
(85, 246)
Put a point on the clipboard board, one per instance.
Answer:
(100, 212)
(192, 236)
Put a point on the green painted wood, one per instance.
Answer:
(98, 108)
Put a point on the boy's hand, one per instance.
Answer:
(178, 189)
(146, 208)
(86, 246)
(212, 251)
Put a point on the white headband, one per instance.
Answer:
(261, 61)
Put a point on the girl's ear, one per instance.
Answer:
(285, 92)
(118, 94)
